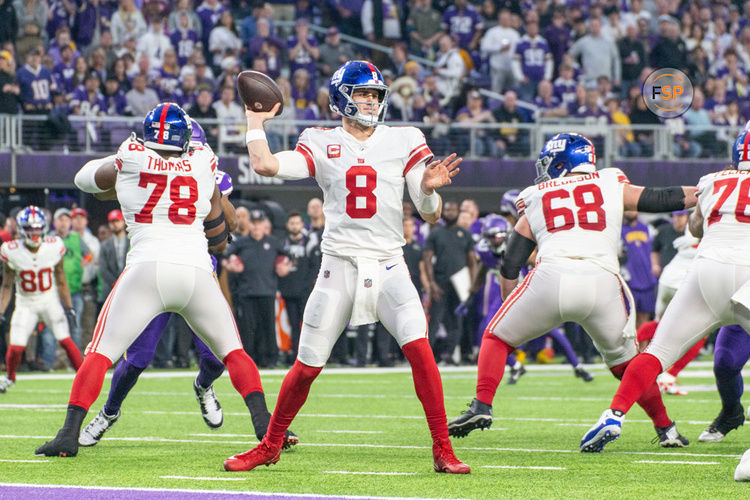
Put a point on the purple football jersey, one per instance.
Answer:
(184, 42)
(637, 242)
(462, 24)
(35, 85)
(533, 55)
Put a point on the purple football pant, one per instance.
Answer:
(731, 352)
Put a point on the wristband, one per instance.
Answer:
(255, 135)
(430, 204)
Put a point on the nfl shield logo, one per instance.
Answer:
(368, 283)
(326, 273)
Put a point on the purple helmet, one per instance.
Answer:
(198, 134)
(508, 202)
(495, 230)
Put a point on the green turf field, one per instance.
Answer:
(372, 423)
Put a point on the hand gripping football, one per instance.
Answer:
(259, 92)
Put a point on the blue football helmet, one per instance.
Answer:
(167, 127)
(508, 202)
(741, 151)
(495, 230)
(199, 135)
(355, 75)
(563, 154)
(32, 226)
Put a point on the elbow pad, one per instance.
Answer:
(656, 200)
(517, 253)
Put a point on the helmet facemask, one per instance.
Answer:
(351, 109)
(33, 234)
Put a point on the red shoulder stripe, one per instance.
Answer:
(417, 157)
(307, 153)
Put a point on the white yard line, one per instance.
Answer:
(206, 478)
(673, 462)
(24, 461)
(189, 491)
(393, 446)
(369, 473)
(535, 467)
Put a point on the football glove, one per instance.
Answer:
(463, 308)
(70, 314)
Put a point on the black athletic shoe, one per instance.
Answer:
(290, 439)
(65, 444)
(669, 437)
(478, 416)
(515, 374)
(581, 373)
(724, 423)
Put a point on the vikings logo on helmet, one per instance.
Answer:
(563, 154)
(495, 231)
(508, 202)
(32, 225)
(355, 75)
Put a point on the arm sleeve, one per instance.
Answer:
(657, 200)
(516, 255)
(85, 178)
(423, 203)
(294, 165)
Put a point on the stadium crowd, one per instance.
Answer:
(579, 60)
(269, 270)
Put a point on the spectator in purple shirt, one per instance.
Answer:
(35, 82)
(85, 22)
(58, 15)
(636, 241)
(547, 102)
(303, 92)
(264, 41)
(476, 112)
(115, 102)
(733, 73)
(187, 94)
(302, 48)
(62, 39)
(557, 35)
(532, 62)
(464, 24)
(64, 70)
(347, 15)
(564, 86)
(87, 100)
(168, 77)
(209, 12)
(184, 39)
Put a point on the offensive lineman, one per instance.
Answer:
(362, 169)
(715, 292)
(573, 213)
(174, 216)
(34, 262)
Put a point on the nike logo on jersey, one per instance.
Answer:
(388, 268)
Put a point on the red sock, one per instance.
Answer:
(242, 372)
(13, 359)
(71, 349)
(653, 405)
(492, 356)
(292, 395)
(687, 358)
(640, 374)
(89, 379)
(647, 331)
(428, 385)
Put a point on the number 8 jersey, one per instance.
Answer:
(577, 217)
(363, 186)
(34, 271)
(164, 202)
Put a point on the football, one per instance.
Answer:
(259, 92)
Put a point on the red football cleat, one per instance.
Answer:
(263, 454)
(445, 460)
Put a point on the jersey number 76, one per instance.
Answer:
(743, 199)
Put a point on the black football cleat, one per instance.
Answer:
(65, 444)
(478, 416)
(290, 439)
(580, 372)
(669, 437)
(726, 421)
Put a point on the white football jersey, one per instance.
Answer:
(724, 200)
(363, 186)
(35, 272)
(674, 273)
(577, 217)
(165, 201)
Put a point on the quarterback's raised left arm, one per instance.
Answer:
(423, 180)
(521, 245)
(658, 200)
(97, 176)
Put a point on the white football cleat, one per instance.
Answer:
(742, 472)
(92, 433)
(210, 407)
(5, 384)
(605, 430)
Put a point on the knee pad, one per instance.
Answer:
(318, 312)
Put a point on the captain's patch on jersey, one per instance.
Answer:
(334, 150)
